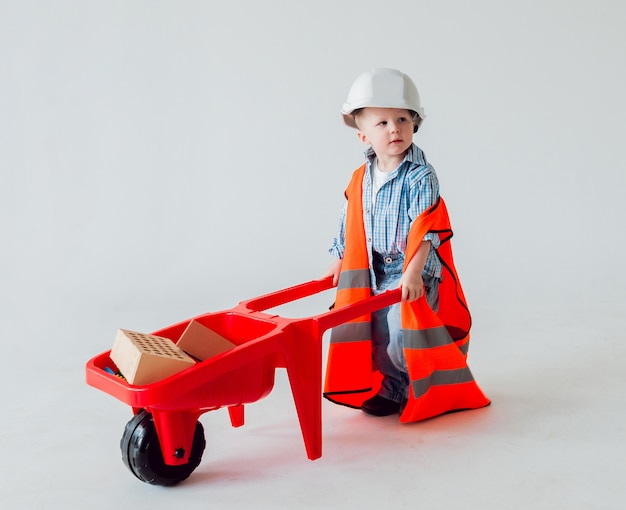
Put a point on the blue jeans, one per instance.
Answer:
(387, 343)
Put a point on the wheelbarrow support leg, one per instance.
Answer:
(303, 357)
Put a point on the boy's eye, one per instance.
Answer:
(401, 120)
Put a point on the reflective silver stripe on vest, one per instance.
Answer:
(432, 337)
(426, 338)
(440, 378)
(354, 279)
(351, 332)
(464, 348)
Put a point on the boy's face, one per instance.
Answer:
(388, 130)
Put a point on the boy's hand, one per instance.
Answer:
(411, 282)
(412, 287)
(333, 270)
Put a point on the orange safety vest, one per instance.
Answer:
(435, 344)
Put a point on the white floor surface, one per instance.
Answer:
(554, 436)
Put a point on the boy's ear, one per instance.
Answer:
(362, 137)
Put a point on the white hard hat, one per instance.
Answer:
(382, 88)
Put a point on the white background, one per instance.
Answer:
(161, 159)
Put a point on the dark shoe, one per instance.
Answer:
(403, 406)
(380, 406)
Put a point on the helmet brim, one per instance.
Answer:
(349, 121)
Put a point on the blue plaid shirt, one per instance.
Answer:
(408, 191)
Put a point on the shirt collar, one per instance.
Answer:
(413, 155)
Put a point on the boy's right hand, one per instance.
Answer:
(333, 270)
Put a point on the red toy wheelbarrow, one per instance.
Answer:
(163, 443)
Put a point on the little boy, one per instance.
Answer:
(395, 187)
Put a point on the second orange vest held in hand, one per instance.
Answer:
(435, 344)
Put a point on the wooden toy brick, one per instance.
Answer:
(202, 343)
(144, 359)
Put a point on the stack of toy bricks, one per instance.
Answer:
(144, 359)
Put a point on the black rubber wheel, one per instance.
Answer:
(142, 455)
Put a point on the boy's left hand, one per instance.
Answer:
(411, 282)
(412, 287)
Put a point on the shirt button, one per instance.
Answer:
(388, 260)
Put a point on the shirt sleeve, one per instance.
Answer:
(339, 244)
(424, 195)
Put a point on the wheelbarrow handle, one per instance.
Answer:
(329, 319)
(281, 297)
(346, 313)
